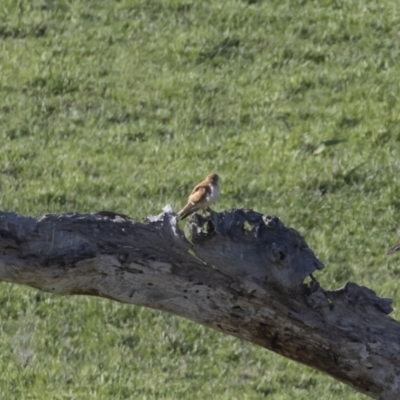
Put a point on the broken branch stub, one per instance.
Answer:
(242, 274)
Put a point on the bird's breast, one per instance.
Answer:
(214, 194)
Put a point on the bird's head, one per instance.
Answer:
(213, 178)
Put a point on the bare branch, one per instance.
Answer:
(242, 273)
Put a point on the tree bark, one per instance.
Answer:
(242, 273)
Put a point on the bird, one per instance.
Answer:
(395, 248)
(203, 195)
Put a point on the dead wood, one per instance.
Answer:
(242, 273)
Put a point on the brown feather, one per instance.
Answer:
(195, 201)
(187, 210)
(198, 198)
(199, 193)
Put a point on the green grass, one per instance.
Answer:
(125, 105)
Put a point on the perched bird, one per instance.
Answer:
(395, 248)
(203, 195)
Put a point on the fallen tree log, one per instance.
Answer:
(242, 273)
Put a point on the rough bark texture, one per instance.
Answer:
(242, 273)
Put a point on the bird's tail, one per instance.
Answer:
(186, 211)
(393, 249)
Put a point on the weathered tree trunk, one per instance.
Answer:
(242, 273)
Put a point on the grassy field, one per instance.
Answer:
(124, 105)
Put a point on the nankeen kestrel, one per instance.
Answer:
(203, 195)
